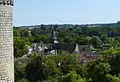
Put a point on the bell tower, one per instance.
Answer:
(6, 41)
(53, 35)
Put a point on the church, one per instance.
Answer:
(68, 47)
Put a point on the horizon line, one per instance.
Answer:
(67, 23)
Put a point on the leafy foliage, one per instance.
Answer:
(66, 67)
(96, 41)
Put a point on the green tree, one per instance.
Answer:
(69, 63)
(34, 70)
(20, 66)
(83, 40)
(22, 80)
(44, 38)
(97, 71)
(112, 56)
(72, 77)
(104, 38)
(96, 41)
(20, 47)
(112, 78)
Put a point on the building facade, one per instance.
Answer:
(6, 41)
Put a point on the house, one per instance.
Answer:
(88, 58)
(37, 47)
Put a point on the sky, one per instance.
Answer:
(34, 12)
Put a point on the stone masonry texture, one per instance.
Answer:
(6, 41)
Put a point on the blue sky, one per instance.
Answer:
(32, 12)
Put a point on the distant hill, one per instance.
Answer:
(110, 25)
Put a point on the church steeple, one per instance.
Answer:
(53, 35)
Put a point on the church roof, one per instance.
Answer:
(74, 48)
(64, 46)
(70, 47)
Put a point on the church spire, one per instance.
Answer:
(53, 35)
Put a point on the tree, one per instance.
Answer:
(52, 68)
(43, 27)
(96, 41)
(20, 66)
(22, 80)
(68, 39)
(97, 71)
(19, 71)
(112, 78)
(23, 32)
(44, 38)
(16, 33)
(40, 69)
(20, 47)
(82, 40)
(112, 56)
(69, 63)
(34, 70)
(104, 38)
(72, 77)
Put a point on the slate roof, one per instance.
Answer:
(70, 47)
(74, 48)
(84, 48)
(64, 46)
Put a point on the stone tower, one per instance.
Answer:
(6, 41)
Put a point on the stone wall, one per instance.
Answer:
(6, 43)
(6, 2)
